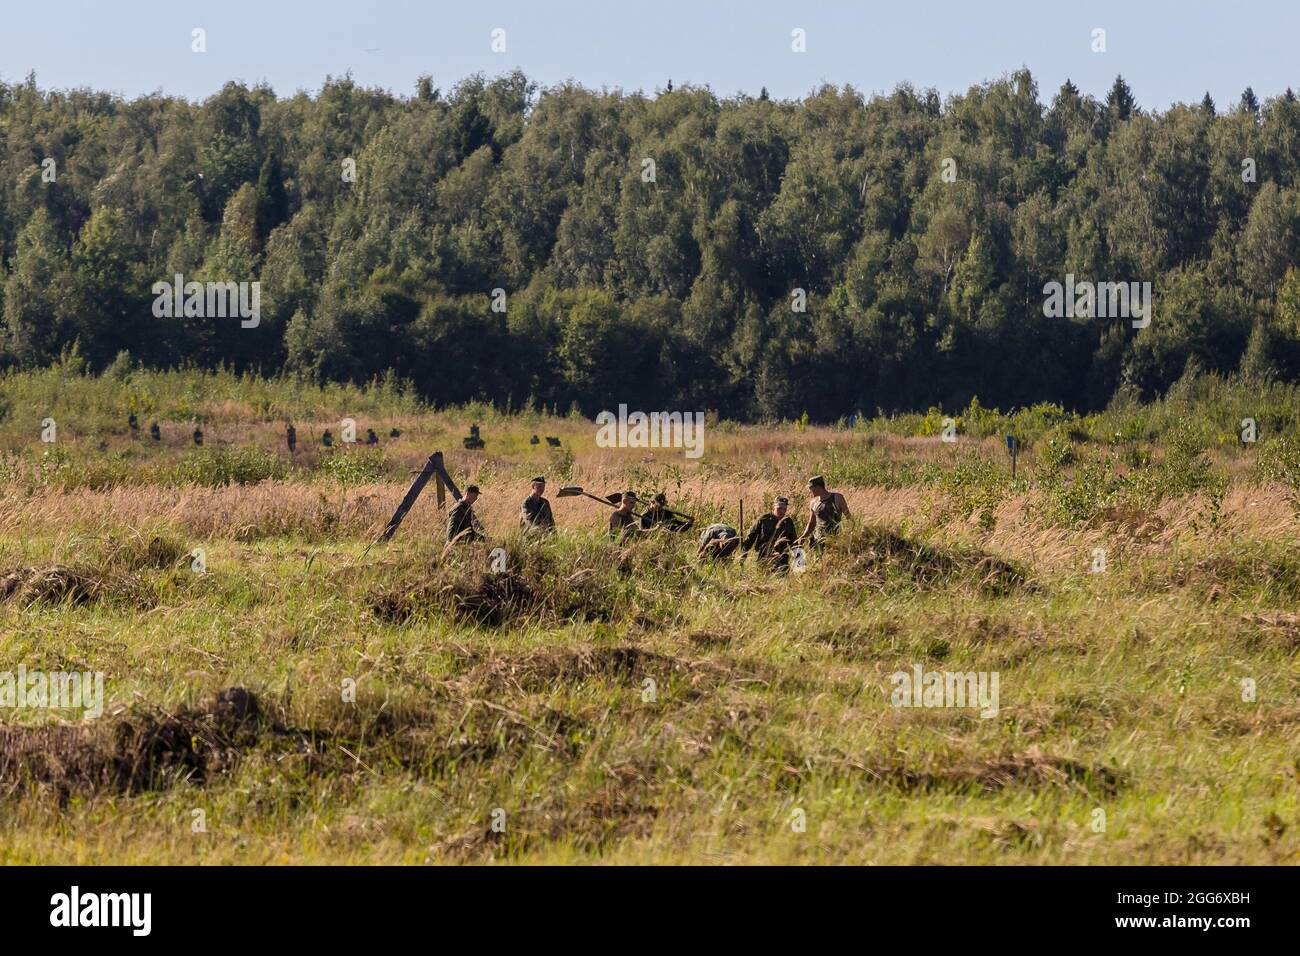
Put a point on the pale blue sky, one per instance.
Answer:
(1169, 51)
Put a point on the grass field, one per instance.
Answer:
(1134, 589)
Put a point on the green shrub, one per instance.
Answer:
(354, 466)
(1056, 451)
(213, 467)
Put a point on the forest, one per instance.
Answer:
(563, 247)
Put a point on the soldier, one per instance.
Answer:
(772, 536)
(622, 522)
(658, 514)
(535, 512)
(462, 523)
(825, 512)
(718, 541)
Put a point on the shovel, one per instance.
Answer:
(573, 491)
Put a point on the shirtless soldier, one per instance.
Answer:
(825, 512)
(622, 522)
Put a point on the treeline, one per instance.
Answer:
(503, 243)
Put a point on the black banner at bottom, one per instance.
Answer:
(338, 905)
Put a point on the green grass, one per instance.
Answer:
(625, 704)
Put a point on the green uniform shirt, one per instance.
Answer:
(461, 519)
(671, 520)
(770, 535)
(535, 515)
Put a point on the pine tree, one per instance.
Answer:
(1207, 104)
(1249, 102)
(1257, 361)
(1119, 102)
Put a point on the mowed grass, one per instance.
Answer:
(601, 703)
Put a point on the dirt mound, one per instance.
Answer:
(64, 584)
(1031, 768)
(131, 753)
(533, 586)
(1216, 575)
(140, 552)
(1284, 625)
(594, 827)
(494, 599)
(879, 557)
(483, 598)
(709, 638)
(532, 672)
(151, 750)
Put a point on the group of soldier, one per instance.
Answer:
(773, 537)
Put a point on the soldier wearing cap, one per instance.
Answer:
(658, 514)
(771, 536)
(535, 512)
(622, 522)
(462, 523)
(825, 512)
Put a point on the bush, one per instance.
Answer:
(213, 467)
(1056, 451)
(357, 466)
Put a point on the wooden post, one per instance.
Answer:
(412, 493)
(443, 477)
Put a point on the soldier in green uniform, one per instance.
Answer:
(622, 522)
(772, 536)
(462, 523)
(825, 512)
(535, 513)
(659, 516)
